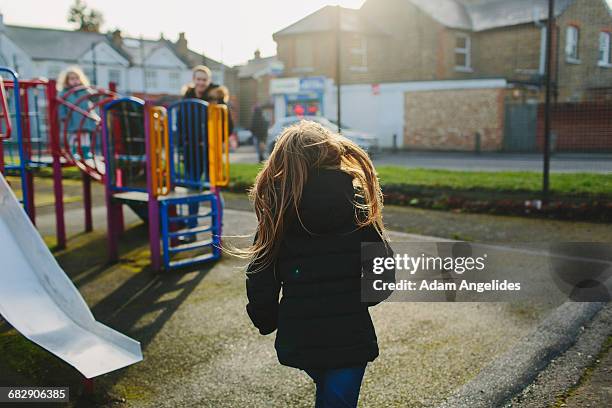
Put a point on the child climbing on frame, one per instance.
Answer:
(69, 79)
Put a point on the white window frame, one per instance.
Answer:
(118, 72)
(467, 51)
(362, 51)
(53, 71)
(174, 79)
(89, 73)
(543, 42)
(572, 44)
(605, 45)
(150, 79)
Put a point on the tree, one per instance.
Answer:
(88, 19)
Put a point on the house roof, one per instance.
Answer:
(139, 49)
(479, 15)
(55, 44)
(472, 15)
(487, 14)
(257, 66)
(324, 19)
(450, 13)
(193, 58)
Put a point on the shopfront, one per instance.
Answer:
(298, 96)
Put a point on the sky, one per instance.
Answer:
(226, 30)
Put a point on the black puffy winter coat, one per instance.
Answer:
(321, 320)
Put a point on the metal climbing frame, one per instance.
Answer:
(218, 129)
(81, 127)
(10, 141)
(53, 131)
(25, 141)
(158, 162)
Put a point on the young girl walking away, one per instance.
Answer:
(316, 199)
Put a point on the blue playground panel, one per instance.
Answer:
(190, 214)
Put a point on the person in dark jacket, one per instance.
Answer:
(317, 200)
(259, 129)
(195, 155)
(203, 88)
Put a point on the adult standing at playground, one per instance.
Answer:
(203, 88)
(259, 129)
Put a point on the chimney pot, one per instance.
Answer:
(117, 39)
(181, 45)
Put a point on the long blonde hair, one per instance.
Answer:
(62, 79)
(278, 186)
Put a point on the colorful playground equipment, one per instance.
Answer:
(36, 296)
(35, 132)
(168, 165)
(23, 142)
(42, 303)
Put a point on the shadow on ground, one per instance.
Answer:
(140, 292)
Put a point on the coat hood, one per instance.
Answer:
(327, 202)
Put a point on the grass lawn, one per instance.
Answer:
(507, 181)
(563, 184)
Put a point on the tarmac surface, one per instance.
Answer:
(200, 348)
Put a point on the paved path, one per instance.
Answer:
(201, 350)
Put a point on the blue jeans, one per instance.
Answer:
(338, 387)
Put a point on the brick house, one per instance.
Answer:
(406, 41)
(254, 84)
(421, 40)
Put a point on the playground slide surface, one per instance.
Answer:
(39, 300)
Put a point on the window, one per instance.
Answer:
(114, 75)
(463, 57)
(53, 71)
(303, 54)
(358, 53)
(174, 79)
(572, 37)
(150, 79)
(543, 41)
(89, 73)
(604, 49)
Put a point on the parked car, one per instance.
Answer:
(245, 137)
(364, 140)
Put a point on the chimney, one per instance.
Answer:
(161, 37)
(1, 22)
(181, 45)
(116, 39)
(257, 54)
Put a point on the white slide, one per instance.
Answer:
(39, 300)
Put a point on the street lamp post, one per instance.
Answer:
(548, 103)
(338, 67)
(94, 64)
